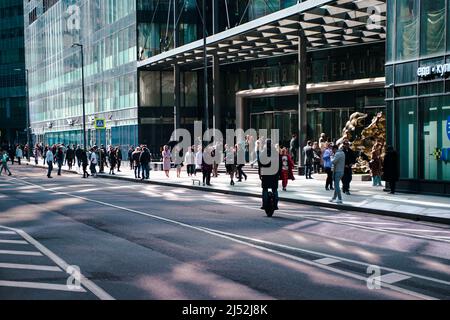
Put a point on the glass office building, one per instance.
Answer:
(418, 92)
(12, 73)
(107, 32)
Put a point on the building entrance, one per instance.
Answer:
(285, 121)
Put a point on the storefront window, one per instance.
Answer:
(407, 29)
(436, 138)
(432, 27)
(406, 72)
(406, 116)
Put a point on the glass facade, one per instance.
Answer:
(12, 73)
(107, 32)
(418, 38)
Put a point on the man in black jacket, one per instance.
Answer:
(144, 160)
(269, 173)
(79, 156)
(350, 159)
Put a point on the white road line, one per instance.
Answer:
(14, 241)
(327, 261)
(393, 277)
(28, 267)
(39, 285)
(21, 253)
(91, 286)
(232, 237)
(7, 232)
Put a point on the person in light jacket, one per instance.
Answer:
(338, 161)
(189, 160)
(19, 154)
(49, 158)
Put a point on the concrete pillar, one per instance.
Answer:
(302, 121)
(217, 119)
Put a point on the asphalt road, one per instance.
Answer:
(135, 241)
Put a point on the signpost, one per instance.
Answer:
(100, 123)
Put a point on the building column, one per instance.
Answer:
(176, 96)
(217, 119)
(302, 121)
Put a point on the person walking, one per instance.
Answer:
(375, 165)
(293, 147)
(350, 159)
(130, 157)
(166, 158)
(391, 168)
(19, 154)
(309, 159)
(49, 158)
(206, 168)
(230, 162)
(37, 154)
(338, 161)
(317, 157)
(327, 166)
(59, 159)
(135, 156)
(198, 160)
(93, 158)
(118, 158)
(79, 156)
(84, 163)
(189, 160)
(287, 167)
(112, 160)
(4, 163)
(240, 166)
(144, 160)
(70, 157)
(269, 174)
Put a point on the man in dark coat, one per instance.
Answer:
(144, 160)
(269, 175)
(391, 168)
(350, 160)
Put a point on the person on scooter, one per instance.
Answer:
(269, 169)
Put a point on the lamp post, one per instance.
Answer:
(205, 66)
(27, 110)
(82, 92)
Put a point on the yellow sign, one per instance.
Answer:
(100, 123)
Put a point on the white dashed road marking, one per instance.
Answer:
(21, 253)
(327, 261)
(39, 285)
(28, 267)
(393, 277)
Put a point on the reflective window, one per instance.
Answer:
(407, 26)
(406, 117)
(432, 26)
(436, 138)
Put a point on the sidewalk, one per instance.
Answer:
(364, 197)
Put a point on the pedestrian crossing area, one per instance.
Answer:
(27, 271)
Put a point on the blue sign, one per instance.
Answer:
(448, 127)
(100, 123)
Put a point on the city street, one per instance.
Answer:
(140, 241)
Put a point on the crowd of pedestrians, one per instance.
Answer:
(322, 156)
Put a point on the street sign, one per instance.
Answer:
(448, 127)
(100, 123)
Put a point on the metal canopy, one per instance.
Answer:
(324, 23)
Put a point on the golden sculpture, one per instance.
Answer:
(369, 139)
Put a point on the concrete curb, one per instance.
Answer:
(404, 215)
